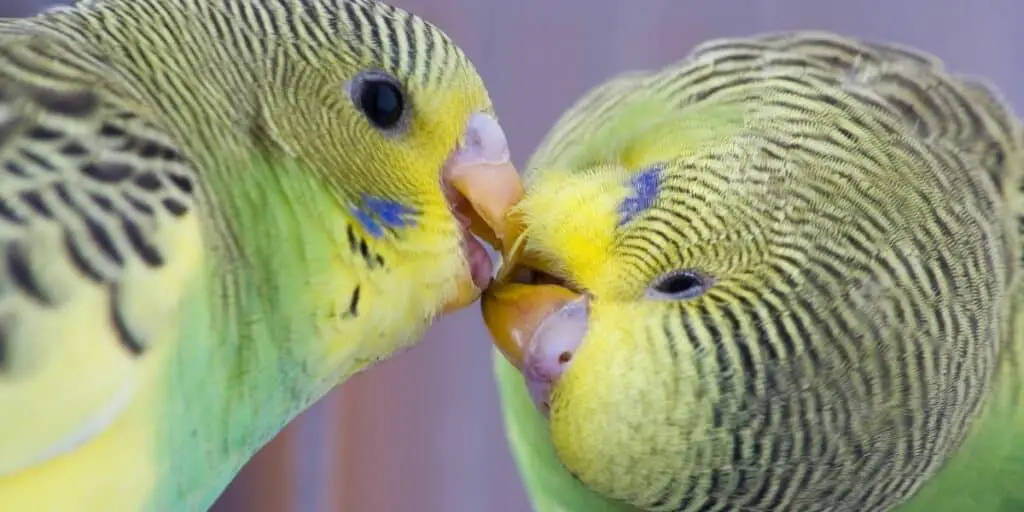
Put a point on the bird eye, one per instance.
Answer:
(379, 97)
(678, 285)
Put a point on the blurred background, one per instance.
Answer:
(422, 432)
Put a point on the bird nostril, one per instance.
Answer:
(552, 348)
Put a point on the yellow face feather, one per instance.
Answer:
(571, 218)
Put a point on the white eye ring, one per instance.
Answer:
(679, 285)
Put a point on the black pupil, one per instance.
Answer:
(381, 101)
(684, 283)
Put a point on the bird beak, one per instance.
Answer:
(488, 186)
(513, 312)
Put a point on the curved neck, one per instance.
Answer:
(251, 356)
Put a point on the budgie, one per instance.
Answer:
(211, 213)
(781, 274)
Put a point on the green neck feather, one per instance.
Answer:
(245, 365)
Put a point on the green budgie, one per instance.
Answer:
(211, 213)
(783, 274)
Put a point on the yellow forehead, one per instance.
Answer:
(573, 219)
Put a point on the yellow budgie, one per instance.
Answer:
(211, 213)
(783, 274)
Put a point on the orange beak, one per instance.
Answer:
(491, 190)
(514, 311)
(489, 187)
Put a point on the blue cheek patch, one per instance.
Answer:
(643, 191)
(377, 214)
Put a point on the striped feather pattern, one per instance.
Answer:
(165, 45)
(122, 120)
(854, 225)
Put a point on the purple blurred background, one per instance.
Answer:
(422, 432)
